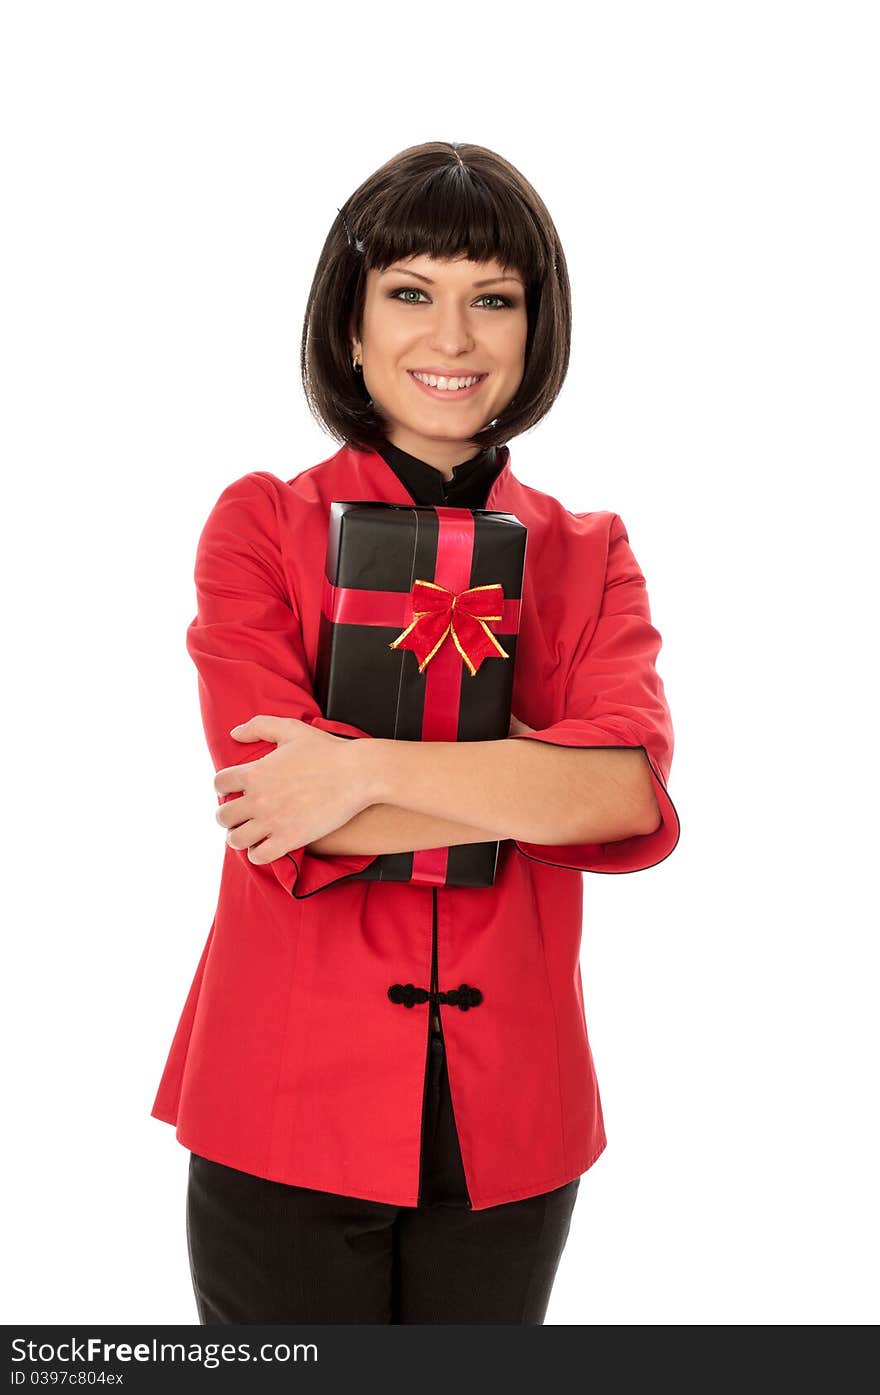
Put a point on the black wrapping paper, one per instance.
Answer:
(378, 547)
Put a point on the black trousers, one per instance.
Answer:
(267, 1252)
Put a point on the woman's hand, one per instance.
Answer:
(307, 787)
(304, 789)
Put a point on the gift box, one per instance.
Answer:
(420, 614)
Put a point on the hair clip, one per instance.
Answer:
(354, 242)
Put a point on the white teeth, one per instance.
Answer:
(447, 384)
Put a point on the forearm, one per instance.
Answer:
(530, 790)
(387, 828)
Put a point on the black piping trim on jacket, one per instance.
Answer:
(608, 871)
(327, 885)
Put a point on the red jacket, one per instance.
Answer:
(290, 1061)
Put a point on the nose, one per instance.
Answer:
(451, 333)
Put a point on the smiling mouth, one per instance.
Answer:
(440, 389)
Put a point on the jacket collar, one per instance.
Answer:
(469, 484)
(380, 481)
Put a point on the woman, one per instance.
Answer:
(333, 1020)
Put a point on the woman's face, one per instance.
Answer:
(454, 319)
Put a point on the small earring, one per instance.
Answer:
(355, 363)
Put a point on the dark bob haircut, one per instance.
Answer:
(441, 200)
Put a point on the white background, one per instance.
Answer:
(170, 172)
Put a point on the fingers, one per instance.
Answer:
(247, 835)
(229, 781)
(233, 812)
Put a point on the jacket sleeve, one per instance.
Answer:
(615, 697)
(246, 642)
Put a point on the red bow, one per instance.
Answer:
(439, 612)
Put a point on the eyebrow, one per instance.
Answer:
(490, 280)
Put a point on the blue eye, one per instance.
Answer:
(506, 302)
